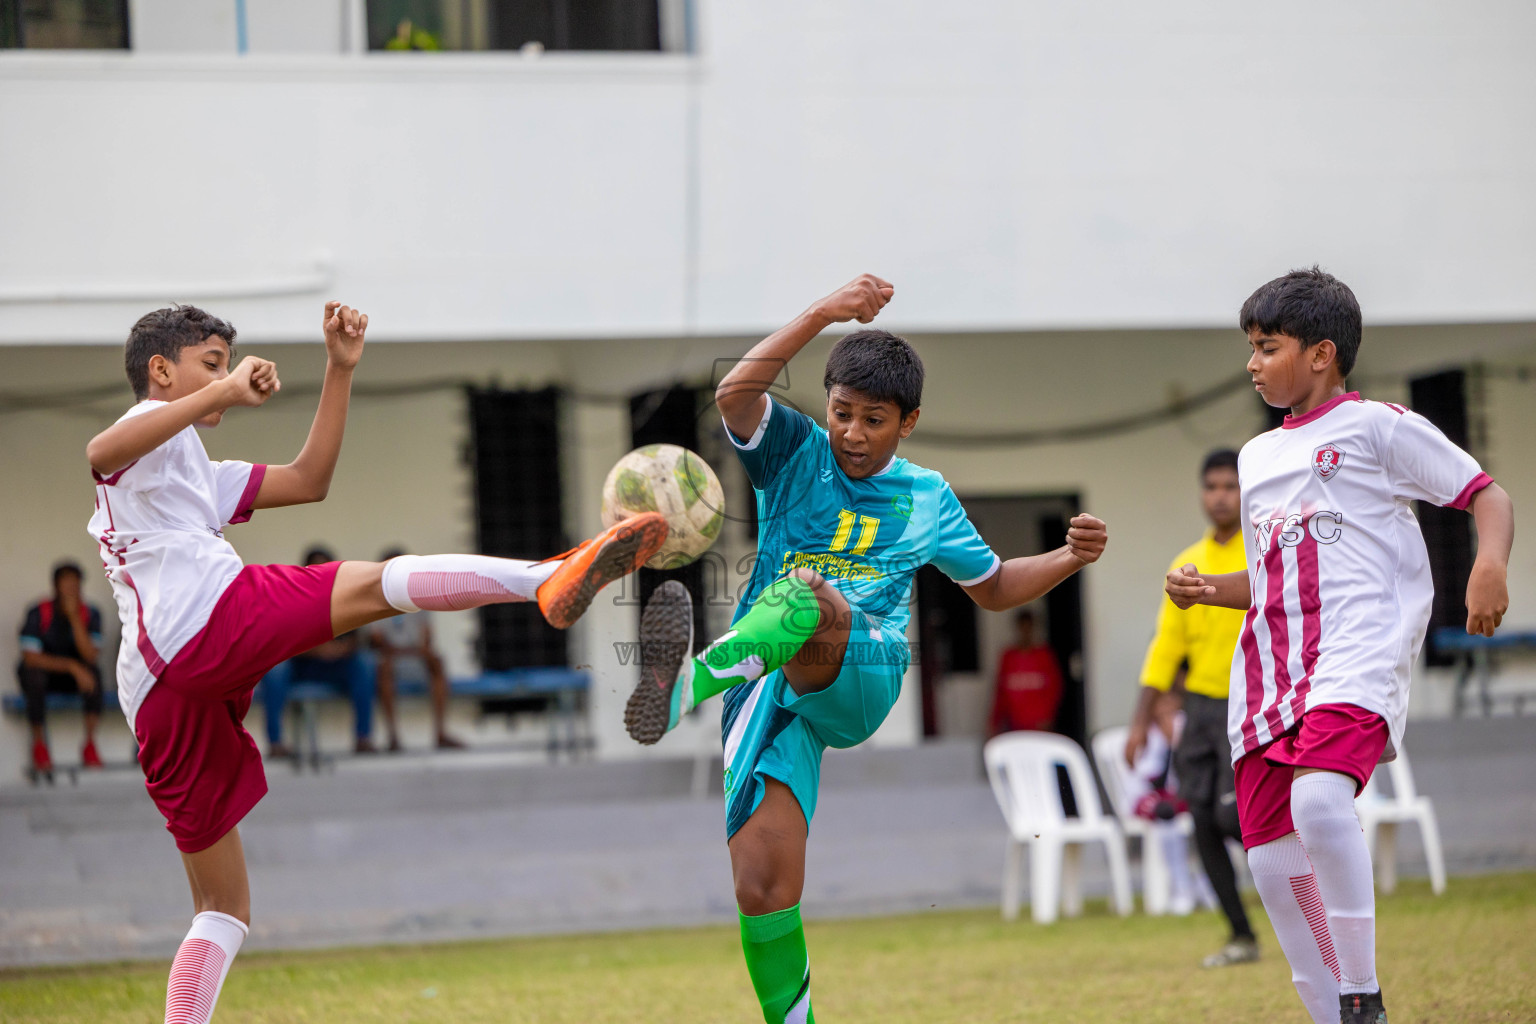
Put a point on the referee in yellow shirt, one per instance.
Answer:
(1201, 640)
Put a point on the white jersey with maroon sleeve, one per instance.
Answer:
(1338, 567)
(159, 523)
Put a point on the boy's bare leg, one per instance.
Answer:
(819, 661)
(768, 862)
(218, 878)
(357, 596)
(221, 894)
(768, 853)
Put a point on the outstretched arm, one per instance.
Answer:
(1021, 580)
(252, 382)
(740, 393)
(1488, 585)
(1186, 588)
(308, 477)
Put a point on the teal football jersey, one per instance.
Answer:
(866, 537)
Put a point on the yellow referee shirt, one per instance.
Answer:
(1203, 636)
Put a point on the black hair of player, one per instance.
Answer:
(1221, 458)
(392, 553)
(318, 555)
(1309, 305)
(879, 365)
(165, 332)
(66, 568)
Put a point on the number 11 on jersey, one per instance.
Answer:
(868, 527)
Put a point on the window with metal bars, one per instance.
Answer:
(518, 514)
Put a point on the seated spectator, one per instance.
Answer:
(60, 645)
(340, 663)
(403, 645)
(1028, 689)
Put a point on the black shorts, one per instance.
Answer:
(1203, 759)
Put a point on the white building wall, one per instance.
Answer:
(1015, 165)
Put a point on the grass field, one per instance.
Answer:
(1469, 957)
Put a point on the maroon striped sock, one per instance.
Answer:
(200, 967)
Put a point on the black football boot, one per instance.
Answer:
(1362, 1008)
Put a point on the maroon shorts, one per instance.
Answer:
(1333, 737)
(201, 767)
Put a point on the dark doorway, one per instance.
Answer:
(960, 644)
(1441, 398)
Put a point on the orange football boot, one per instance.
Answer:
(592, 565)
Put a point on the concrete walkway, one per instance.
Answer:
(433, 849)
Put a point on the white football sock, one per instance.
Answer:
(450, 583)
(201, 965)
(1286, 884)
(1175, 849)
(1323, 808)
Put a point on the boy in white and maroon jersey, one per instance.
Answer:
(200, 628)
(1337, 591)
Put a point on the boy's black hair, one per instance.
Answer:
(1221, 458)
(1309, 305)
(880, 365)
(165, 332)
(65, 568)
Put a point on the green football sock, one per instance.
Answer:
(772, 632)
(774, 945)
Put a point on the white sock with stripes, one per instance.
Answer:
(1323, 808)
(200, 967)
(450, 583)
(1286, 884)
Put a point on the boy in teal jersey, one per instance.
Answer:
(818, 648)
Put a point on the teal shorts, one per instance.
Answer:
(770, 732)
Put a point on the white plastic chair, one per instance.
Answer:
(1380, 815)
(1109, 758)
(1022, 770)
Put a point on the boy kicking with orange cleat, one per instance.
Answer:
(200, 628)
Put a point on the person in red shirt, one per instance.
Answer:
(1028, 688)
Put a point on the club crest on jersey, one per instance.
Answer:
(1326, 460)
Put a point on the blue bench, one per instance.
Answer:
(1477, 656)
(16, 704)
(560, 688)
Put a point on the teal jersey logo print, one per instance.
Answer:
(902, 505)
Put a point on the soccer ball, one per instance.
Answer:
(675, 482)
